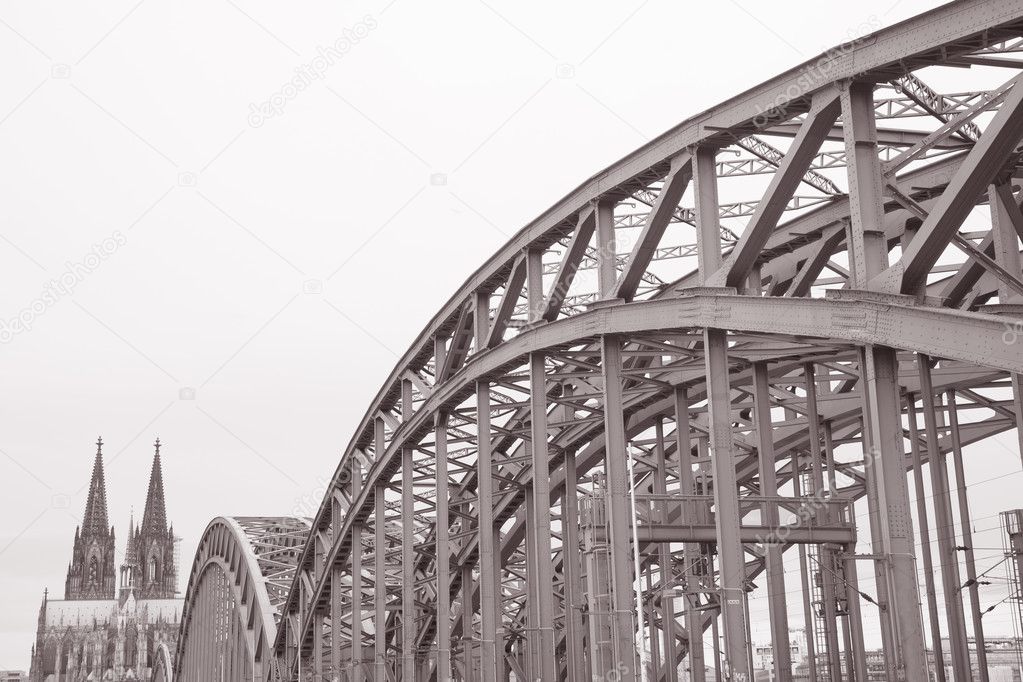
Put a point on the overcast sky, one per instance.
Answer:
(243, 262)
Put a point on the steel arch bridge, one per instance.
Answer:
(241, 575)
(707, 355)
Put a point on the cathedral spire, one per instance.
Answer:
(130, 567)
(154, 544)
(130, 554)
(91, 574)
(154, 518)
(95, 520)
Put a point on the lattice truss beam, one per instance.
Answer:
(716, 353)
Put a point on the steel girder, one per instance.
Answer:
(773, 365)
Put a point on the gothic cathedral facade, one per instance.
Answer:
(110, 626)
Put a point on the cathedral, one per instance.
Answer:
(113, 623)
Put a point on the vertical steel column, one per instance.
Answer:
(944, 528)
(825, 555)
(336, 592)
(651, 628)
(618, 512)
(379, 563)
(1017, 408)
(869, 248)
(541, 560)
(607, 267)
(443, 550)
(925, 539)
(708, 221)
(469, 655)
(317, 663)
(882, 396)
(868, 254)
(967, 532)
(490, 654)
(708, 249)
(408, 574)
(501, 665)
(534, 284)
(1005, 214)
(715, 635)
(732, 566)
(690, 551)
(485, 532)
(857, 648)
(829, 458)
(599, 605)
(809, 627)
(537, 505)
(777, 606)
(871, 457)
(570, 557)
(357, 596)
(530, 641)
(664, 559)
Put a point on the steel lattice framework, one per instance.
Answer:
(698, 360)
(241, 575)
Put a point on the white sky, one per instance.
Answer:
(133, 118)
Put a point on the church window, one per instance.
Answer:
(93, 571)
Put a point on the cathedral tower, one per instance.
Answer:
(154, 542)
(91, 574)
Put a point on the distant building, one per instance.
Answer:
(1003, 657)
(13, 676)
(763, 654)
(95, 633)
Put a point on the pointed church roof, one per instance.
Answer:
(94, 522)
(154, 518)
(130, 553)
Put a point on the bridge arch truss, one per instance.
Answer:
(241, 575)
(709, 354)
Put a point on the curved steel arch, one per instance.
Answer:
(241, 574)
(163, 669)
(738, 349)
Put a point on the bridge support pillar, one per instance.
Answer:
(778, 609)
(967, 536)
(541, 587)
(732, 566)
(489, 587)
(618, 513)
(692, 558)
(887, 463)
(408, 574)
(599, 606)
(357, 595)
(944, 526)
(442, 562)
(570, 556)
(666, 576)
